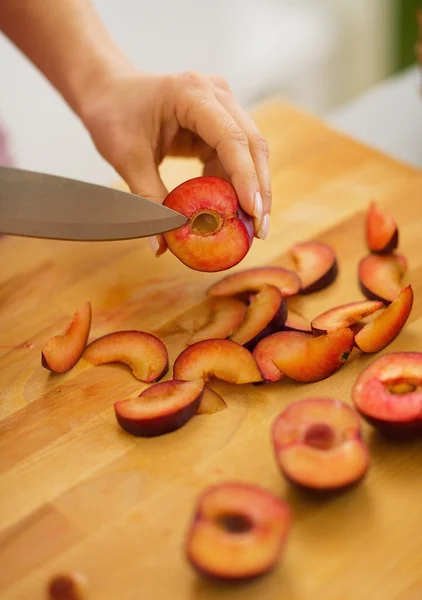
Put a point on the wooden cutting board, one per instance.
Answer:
(77, 493)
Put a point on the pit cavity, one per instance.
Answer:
(235, 523)
(320, 436)
(205, 223)
(402, 388)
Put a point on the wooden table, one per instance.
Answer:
(77, 493)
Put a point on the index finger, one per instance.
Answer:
(204, 115)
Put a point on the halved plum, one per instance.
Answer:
(382, 235)
(222, 359)
(380, 276)
(252, 280)
(63, 351)
(226, 315)
(218, 234)
(161, 408)
(266, 312)
(296, 322)
(303, 357)
(316, 265)
(237, 532)
(318, 444)
(344, 315)
(388, 393)
(144, 353)
(378, 334)
(211, 402)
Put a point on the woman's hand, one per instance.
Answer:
(136, 119)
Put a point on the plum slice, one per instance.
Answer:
(211, 402)
(378, 334)
(316, 265)
(238, 531)
(266, 313)
(296, 322)
(63, 351)
(388, 393)
(318, 444)
(252, 280)
(226, 315)
(222, 359)
(382, 235)
(380, 276)
(68, 586)
(218, 233)
(303, 357)
(161, 408)
(344, 315)
(142, 352)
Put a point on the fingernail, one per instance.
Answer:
(265, 225)
(258, 207)
(154, 245)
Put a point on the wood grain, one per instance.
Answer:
(77, 493)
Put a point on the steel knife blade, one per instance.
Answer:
(34, 204)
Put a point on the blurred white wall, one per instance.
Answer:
(315, 53)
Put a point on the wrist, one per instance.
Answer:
(92, 78)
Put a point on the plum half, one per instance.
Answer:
(142, 352)
(63, 351)
(344, 316)
(161, 408)
(303, 357)
(388, 393)
(316, 265)
(238, 531)
(222, 359)
(378, 334)
(318, 444)
(380, 276)
(218, 234)
(382, 234)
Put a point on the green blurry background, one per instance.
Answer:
(406, 32)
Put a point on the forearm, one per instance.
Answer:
(67, 41)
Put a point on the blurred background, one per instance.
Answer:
(319, 54)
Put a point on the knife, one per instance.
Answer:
(34, 204)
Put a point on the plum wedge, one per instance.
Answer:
(382, 235)
(143, 353)
(380, 276)
(318, 444)
(218, 233)
(303, 357)
(238, 531)
(63, 351)
(222, 359)
(388, 394)
(211, 402)
(161, 408)
(266, 313)
(226, 315)
(378, 334)
(316, 265)
(296, 322)
(248, 281)
(344, 316)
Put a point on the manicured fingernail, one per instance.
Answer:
(258, 207)
(154, 245)
(265, 225)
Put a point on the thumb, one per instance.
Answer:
(143, 179)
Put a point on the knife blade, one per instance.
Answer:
(34, 204)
